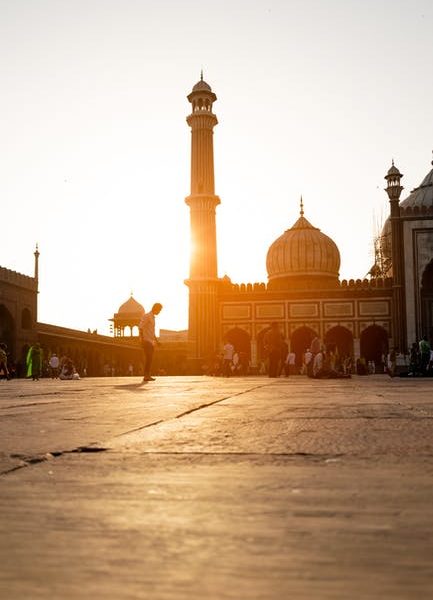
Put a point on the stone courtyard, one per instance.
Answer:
(198, 487)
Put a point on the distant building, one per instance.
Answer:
(92, 354)
(304, 293)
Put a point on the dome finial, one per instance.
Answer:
(301, 212)
(393, 162)
(432, 157)
(201, 75)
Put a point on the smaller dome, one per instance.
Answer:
(201, 86)
(131, 306)
(394, 171)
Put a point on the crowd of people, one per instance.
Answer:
(37, 365)
(317, 361)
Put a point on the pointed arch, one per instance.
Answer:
(7, 329)
(339, 339)
(300, 341)
(427, 302)
(374, 343)
(240, 340)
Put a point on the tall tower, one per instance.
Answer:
(394, 189)
(202, 201)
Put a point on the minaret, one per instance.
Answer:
(37, 253)
(203, 276)
(394, 189)
(36, 278)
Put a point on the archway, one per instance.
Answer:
(7, 329)
(240, 340)
(339, 339)
(300, 340)
(374, 343)
(427, 302)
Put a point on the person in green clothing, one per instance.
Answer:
(34, 362)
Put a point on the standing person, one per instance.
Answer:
(392, 362)
(424, 352)
(228, 353)
(34, 361)
(148, 338)
(54, 365)
(283, 358)
(307, 367)
(291, 363)
(4, 361)
(273, 342)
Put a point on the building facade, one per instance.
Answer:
(304, 294)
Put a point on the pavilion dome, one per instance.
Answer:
(130, 307)
(202, 86)
(303, 257)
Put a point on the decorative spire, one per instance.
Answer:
(302, 207)
(392, 162)
(201, 75)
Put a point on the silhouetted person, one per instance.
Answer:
(424, 354)
(228, 353)
(283, 358)
(148, 338)
(273, 342)
(414, 365)
(54, 364)
(4, 361)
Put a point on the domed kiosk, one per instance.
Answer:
(303, 258)
(128, 316)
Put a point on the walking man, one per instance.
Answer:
(148, 338)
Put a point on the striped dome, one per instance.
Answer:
(303, 257)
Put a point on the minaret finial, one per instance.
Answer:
(432, 157)
(302, 207)
(201, 75)
(392, 162)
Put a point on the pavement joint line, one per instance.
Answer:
(29, 404)
(188, 412)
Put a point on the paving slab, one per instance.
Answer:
(220, 488)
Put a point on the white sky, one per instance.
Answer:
(314, 97)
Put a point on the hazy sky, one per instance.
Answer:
(314, 98)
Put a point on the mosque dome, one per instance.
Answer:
(303, 257)
(421, 196)
(130, 307)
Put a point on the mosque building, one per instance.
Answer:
(304, 294)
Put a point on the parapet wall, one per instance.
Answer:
(344, 284)
(18, 279)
